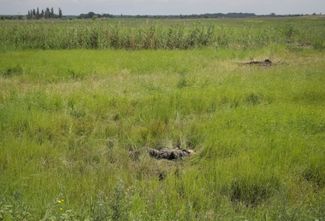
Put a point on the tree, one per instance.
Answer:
(47, 13)
(52, 15)
(60, 13)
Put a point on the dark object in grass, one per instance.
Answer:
(251, 192)
(162, 176)
(266, 62)
(13, 71)
(315, 175)
(170, 154)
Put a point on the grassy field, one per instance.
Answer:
(75, 127)
(306, 32)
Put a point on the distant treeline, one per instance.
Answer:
(193, 16)
(50, 13)
(94, 15)
(216, 15)
(44, 13)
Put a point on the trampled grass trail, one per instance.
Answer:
(75, 126)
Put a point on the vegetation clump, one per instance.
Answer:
(251, 191)
(13, 71)
(315, 175)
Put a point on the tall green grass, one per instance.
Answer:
(75, 126)
(162, 34)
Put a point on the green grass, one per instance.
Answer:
(69, 120)
(304, 32)
(75, 125)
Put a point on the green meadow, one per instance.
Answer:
(76, 122)
(131, 34)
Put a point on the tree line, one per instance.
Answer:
(193, 16)
(215, 15)
(44, 13)
(95, 15)
(50, 13)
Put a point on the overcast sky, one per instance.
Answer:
(166, 6)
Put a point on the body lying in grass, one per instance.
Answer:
(170, 154)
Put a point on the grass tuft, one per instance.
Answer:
(252, 191)
(13, 71)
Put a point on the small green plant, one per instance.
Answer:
(119, 204)
(290, 32)
(100, 208)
